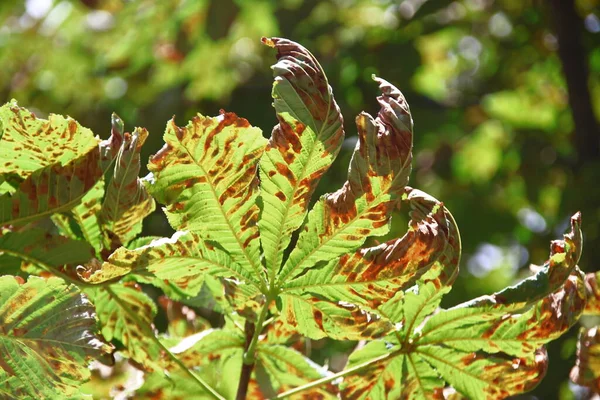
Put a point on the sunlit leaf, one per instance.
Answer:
(127, 202)
(586, 371)
(29, 144)
(183, 260)
(592, 289)
(126, 314)
(489, 347)
(341, 221)
(40, 248)
(279, 368)
(302, 146)
(85, 217)
(47, 338)
(206, 174)
(373, 275)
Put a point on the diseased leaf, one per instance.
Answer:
(489, 347)
(284, 368)
(183, 321)
(341, 221)
(592, 307)
(390, 374)
(586, 371)
(127, 202)
(40, 248)
(302, 146)
(206, 175)
(126, 314)
(183, 260)
(47, 339)
(54, 188)
(318, 317)
(372, 276)
(85, 217)
(29, 144)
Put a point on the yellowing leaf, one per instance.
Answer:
(206, 174)
(302, 146)
(490, 347)
(28, 144)
(42, 249)
(47, 339)
(127, 202)
(371, 276)
(341, 221)
(126, 314)
(586, 371)
(183, 260)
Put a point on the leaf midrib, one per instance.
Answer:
(287, 205)
(223, 214)
(375, 202)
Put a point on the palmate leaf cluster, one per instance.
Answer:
(248, 244)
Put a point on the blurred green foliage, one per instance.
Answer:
(493, 134)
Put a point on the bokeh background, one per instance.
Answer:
(505, 95)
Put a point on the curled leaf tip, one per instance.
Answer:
(268, 41)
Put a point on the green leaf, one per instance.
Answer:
(592, 288)
(126, 314)
(491, 346)
(302, 147)
(370, 277)
(51, 189)
(127, 201)
(373, 275)
(341, 221)
(183, 260)
(390, 374)
(29, 144)
(85, 218)
(206, 174)
(318, 317)
(46, 338)
(586, 371)
(40, 248)
(282, 368)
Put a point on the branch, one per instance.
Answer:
(252, 334)
(567, 25)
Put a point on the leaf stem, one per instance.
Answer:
(251, 349)
(246, 372)
(333, 377)
(153, 337)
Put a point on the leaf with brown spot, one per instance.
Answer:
(372, 276)
(389, 374)
(592, 289)
(586, 371)
(489, 347)
(317, 317)
(127, 201)
(206, 175)
(341, 221)
(126, 315)
(37, 247)
(282, 368)
(49, 190)
(85, 216)
(28, 143)
(302, 146)
(184, 260)
(47, 339)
